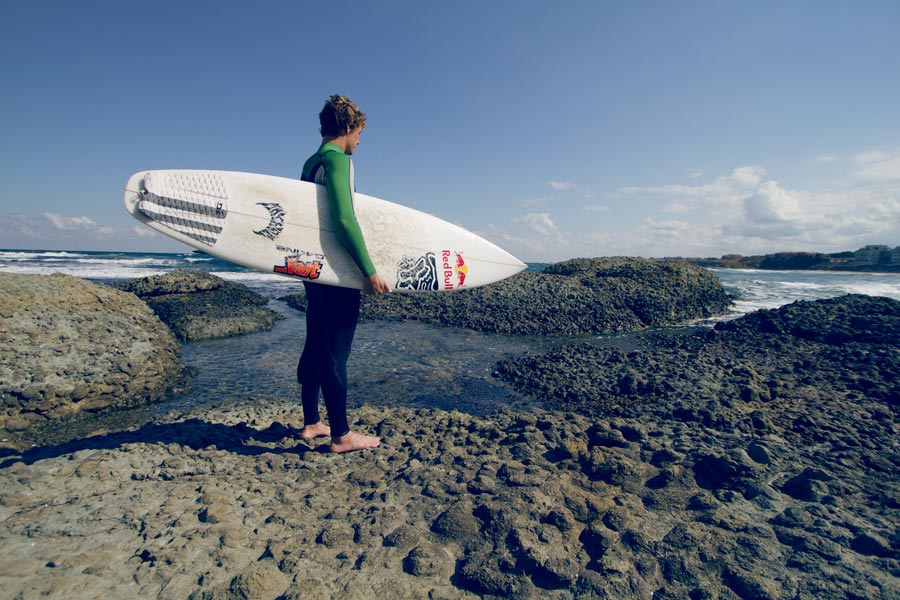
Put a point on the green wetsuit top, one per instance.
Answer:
(330, 167)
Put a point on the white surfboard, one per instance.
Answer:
(284, 226)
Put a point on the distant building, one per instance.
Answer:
(870, 253)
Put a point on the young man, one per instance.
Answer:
(332, 312)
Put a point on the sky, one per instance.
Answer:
(556, 129)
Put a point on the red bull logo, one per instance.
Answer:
(455, 270)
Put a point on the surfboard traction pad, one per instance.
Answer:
(192, 203)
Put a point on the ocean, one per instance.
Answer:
(755, 289)
(393, 363)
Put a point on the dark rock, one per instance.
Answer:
(716, 472)
(665, 457)
(335, 535)
(703, 501)
(482, 574)
(560, 520)
(808, 486)
(678, 484)
(404, 537)
(835, 321)
(197, 305)
(759, 453)
(794, 517)
(750, 586)
(872, 544)
(457, 523)
(601, 295)
(556, 573)
(424, 561)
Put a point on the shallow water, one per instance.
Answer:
(393, 363)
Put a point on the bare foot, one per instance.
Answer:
(353, 441)
(315, 430)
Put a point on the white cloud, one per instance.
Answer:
(746, 213)
(70, 223)
(772, 204)
(55, 231)
(826, 158)
(144, 232)
(539, 223)
(84, 225)
(20, 226)
(747, 176)
(871, 156)
(537, 237)
(877, 166)
(743, 212)
(562, 185)
(724, 195)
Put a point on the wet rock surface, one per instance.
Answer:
(599, 295)
(67, 346)
(755, 460)
(197, 305)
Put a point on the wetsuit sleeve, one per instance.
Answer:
(340, 199)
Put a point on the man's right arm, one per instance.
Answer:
(337, 166)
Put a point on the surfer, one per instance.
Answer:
(332, 312)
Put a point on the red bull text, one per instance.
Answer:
(455, 271)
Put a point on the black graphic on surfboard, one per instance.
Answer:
(276, 220)
(417, 273)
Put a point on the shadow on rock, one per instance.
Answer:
(193, 433)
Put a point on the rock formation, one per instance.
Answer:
(198, 305)
(67, 345)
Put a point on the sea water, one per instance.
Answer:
(753, 288)
(757, 289)
(393, 363)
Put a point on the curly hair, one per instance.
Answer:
(340, 116)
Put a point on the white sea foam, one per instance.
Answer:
(33, 254)
(757, 289)
(265, 283)
(753, 289)
(89, 265)
(100, 271)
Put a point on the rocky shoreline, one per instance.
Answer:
(789, 414)
(68, 346)
(755, 460)
(598, 295)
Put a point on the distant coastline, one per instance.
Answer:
(872, 259)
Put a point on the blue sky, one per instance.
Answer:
(555, 129)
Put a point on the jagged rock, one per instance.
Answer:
(600, 295)
(197, 305)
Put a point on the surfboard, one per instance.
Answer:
(283, 226)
